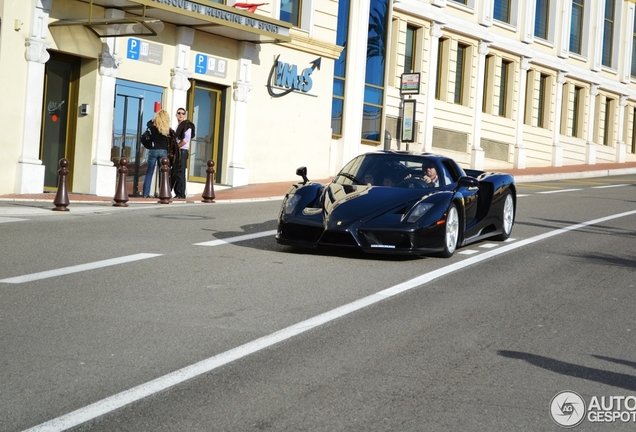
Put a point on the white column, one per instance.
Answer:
(590, 146)
(431, 85)
(563, 30)
(628, 36)
(238, 172)
(103, 180)
(596, 40)
(354, 81)
(621, 150)
(179, 75)
(557, 149)
(30, 171)
(527, 21)
(477, 155)
(520, 149)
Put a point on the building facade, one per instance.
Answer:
(272, 86)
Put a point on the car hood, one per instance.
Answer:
(345, 205)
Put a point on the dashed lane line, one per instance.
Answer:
(77, 268)
(558, 191)
(236, 239)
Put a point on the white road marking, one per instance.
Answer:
(10, 219)
(609, 186)
(488, 245)
(78, 268)
(237, 239)
(157, 385)
(522, 195)
(558, 191)
(468, 252)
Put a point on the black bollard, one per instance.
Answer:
(121, 194)
(208, 192)
(165, 192)
(61, 197)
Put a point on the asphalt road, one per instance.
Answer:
(139, 319)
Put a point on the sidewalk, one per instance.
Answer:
(278, 190)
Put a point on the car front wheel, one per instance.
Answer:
(451, 235)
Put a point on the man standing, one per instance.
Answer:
(185, 134)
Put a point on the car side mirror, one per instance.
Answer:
(302, 171)
(468, 182)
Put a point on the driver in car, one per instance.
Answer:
(430, 176)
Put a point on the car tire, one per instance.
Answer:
(451, 232)
(507, 217)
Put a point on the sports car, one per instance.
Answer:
(399, 203)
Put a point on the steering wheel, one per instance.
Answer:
(413, 183)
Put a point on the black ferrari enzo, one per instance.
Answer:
(399, 202)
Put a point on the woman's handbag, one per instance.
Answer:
(146, 140)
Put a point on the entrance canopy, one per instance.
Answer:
(146, 17)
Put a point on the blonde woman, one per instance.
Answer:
(159, 130)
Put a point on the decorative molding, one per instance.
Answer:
(179, 79)
(36, 51)
(242, 92)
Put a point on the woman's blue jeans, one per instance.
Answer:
(154, 159)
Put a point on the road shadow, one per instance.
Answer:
(620, 380)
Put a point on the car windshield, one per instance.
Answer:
(391, 170)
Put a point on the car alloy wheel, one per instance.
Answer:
(451, 235)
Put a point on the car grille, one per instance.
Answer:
(386, 238)
(338, 238)
(301, 233)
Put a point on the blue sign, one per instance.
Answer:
(201, 64)
(134, 47)
(208, 65)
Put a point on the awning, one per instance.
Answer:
(146, 17)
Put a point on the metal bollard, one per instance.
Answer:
(61, 197)
(208, 192)
(165, 192)
(121, 195)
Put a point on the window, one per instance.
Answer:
(634, 47)
(337, 104)
(502, 10)
(488, 88)
(460, 73)
(504, 83)
(439, 85)
(542, 102)
(541, 19)
(608, 33)
(577, 110)
(576, 27)
(290, 11)
(607, 122)
(409, 49)
(372, 114)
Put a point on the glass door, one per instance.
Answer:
(135, 105)
(58, 119)
(205, 110)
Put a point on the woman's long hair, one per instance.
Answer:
(162, 122)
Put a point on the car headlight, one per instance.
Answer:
(418, 211)
(291, 203)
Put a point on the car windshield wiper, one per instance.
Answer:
(352, 178)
